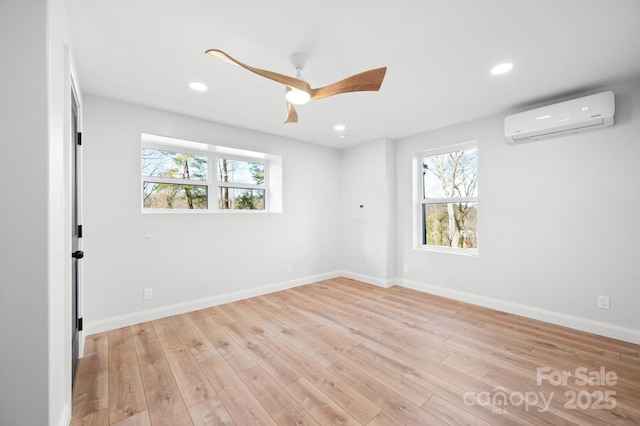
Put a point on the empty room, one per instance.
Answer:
(325, 213)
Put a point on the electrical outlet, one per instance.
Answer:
(406, 268)
(289, 269)
(603, 302)
(147, 294)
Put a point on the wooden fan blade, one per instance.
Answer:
(292, 116)
(283, 79)
(365, 81)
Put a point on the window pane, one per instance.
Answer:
(172, 196)
(236, 171)
(450, 225)
(453, 174)
(241, 199)
(176, 165)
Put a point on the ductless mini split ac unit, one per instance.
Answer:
(561, 119)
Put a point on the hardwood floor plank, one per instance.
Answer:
(231, 351)
(321, 407)
(165, 403)
(163, 325)
(242, 405)
(537, 332)
(588, 416)
(94, 418)
(210, 412)
(138, 419)
(397, 406)
(552, 351)
(509, 363)
(488, 374)
(321, 352)
(622, 347)
(268, 358)
(376, 330)
(386, 376)
(407, 322)
(342, 351)
(255, 330)
(96, 343)
(126, 393)
(219, 315)
(451, 414)
(344, 395)
(192, 382)
(283, 408)
(454, 386)
(267, 314)
(198, 344)
(275, 314)
(479, 383)
(242, 335)
(383, 419)
(91, 388)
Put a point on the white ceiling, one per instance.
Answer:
(438, 54)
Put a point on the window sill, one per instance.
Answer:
(200, 211)
(448, 250)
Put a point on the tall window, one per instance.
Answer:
(183, 175)
(449, 199)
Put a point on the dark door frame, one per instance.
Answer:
(76, 232)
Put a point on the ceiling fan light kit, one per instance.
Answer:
(298, 91)
(297, 97)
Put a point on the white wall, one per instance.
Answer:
(24, 292)
(368, 233)
(542, 208)
(557, 223)
(191, 260)
(35, 363)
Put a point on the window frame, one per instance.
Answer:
(213, 153)
(232, 185)
(420, 200)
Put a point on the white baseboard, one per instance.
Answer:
(578, 323)
(207, 302)
(558, 318)
(380, 282)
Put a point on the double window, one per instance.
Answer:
(183, 175)
(448, 193)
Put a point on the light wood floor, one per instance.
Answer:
(343, 352)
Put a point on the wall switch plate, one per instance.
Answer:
(147, 294)
(603, 302)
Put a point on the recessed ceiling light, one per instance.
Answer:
(502, 68)
(341, 136)
(339, 127)
(198, 87)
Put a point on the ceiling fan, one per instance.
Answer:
(298, 91)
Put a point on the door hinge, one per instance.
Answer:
(79, 138)
(79, 324)
(79, 232)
